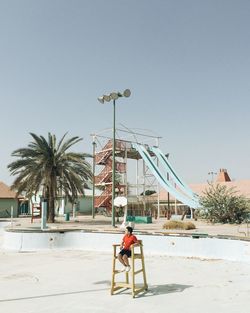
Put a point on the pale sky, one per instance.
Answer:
(187, 64)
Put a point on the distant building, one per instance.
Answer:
(8, 199)
(223, 178)
(22, 206)
(84, 203)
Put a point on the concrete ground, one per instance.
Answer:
(79, 281)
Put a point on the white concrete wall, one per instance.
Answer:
(209, 248)
(2, 225)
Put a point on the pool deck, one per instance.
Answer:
(79, 281)
(101, 223)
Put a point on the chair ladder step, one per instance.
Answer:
(138, 272)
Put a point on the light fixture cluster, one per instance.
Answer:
(114, 96)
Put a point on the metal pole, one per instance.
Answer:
(126, 183)
(11, 215)
(93, 187)
(144, 188)
(137, 179)
(113, 168)
(175, 203)
(44, 215)
(191, 210)
(158, 186)
(125, 174)
(158, 196)
(169, 213)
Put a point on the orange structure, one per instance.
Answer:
(104, 178)
(36, 212)
(125, 152)
(223, 176)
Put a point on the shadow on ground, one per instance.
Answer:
(156, 290)
(53, 295)
(153, 290)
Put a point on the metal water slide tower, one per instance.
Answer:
(124, 169)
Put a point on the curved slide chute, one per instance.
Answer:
(165, 184)
(167, 166)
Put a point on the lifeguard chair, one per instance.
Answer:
(130, 284)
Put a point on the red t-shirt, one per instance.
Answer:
(128, 241)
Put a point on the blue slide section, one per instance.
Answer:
(164, 183)
(167, 166)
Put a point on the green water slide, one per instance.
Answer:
(176, 178)
(192, 203)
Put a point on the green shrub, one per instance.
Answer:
(223, 205)
(178, 225)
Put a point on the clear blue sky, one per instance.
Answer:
(187, 64)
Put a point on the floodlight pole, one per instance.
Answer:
(114, 96)
(113, 167)
(93, 187)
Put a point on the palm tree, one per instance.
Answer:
(48, 167)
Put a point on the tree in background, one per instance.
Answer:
(148, 192)
(223, 205)
(49, 167)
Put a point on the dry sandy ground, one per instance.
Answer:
(77, 281)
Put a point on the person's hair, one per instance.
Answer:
(130, 229)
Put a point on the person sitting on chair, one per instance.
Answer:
(125, 253)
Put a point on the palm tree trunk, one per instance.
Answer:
(51, 211)
(51, 206)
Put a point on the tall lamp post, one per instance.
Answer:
(93, 170)
(114, 96)
(212, 174)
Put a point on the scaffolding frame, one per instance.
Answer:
(102, 145)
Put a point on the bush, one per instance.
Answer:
(178, 225)
(223, 205)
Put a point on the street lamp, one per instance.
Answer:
(212, 174)
(114, 96)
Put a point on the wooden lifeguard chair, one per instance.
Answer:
(133, 272)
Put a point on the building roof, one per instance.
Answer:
(241, 186)
(6, 192)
